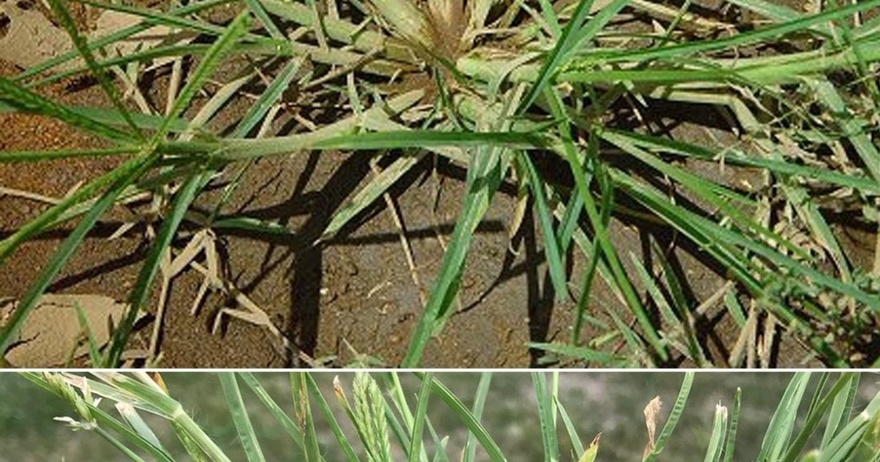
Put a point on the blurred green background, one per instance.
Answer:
(608, 402)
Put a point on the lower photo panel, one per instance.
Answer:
(372, 416)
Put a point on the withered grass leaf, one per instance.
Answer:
(652, 415)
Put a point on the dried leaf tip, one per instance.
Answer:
(652, 415)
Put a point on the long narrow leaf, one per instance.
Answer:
(240, 418)
(467, 418)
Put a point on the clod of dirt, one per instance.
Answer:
(30, 38)
(53, 329)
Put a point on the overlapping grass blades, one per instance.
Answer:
(382, 420)
(510, 86)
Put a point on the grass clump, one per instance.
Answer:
(544, 96)
(817, 417)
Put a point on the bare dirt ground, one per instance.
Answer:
(355, 289)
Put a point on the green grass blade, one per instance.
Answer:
(398, 397)
(470, 445)
(546, 416)
(467, 418)
(586, 290)
(112, 117)
(550, 18)
(857, 130)
(213, 57)
(429, 138)
(28, 101)
(719, 430)
(476, 202)
(269, 97)
(38, 156)
(157, 17)
(739, 158)
(850, 435)
(817, 395)
(318, 397)
(818, 413)
(729, 237)
(59, 7)
(238, 411)
(252, 224)
(599, 221)
(94, 353)
(484, 177)
(190, 189)
(143, 56)
(782, 423)
(774, 11)
(730, 444)
(191, 446)
(400, 433)
(574, 36)
(678, 327)
(440, 454)
(150, 268)
(237, 148)
(738, 40)
(555, 265)
(840, 411)
(109, 422)
(370, 193)
(273, 408)
(119, 445)
(576, 443)
(124, 176)
(415, 446)
(569, 221)
(674, 416)
(257, 9)
(137, 423)
(117, 36)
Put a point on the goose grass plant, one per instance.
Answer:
(509, 81)
(384, 423)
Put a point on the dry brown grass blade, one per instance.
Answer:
(752, 338)
(745, 342)
(652, 415)
(164, 265)
(401, 233)
(405, 20)
(171, 266)
(251, 313)
(765, 349)
(212, 278)
(12, 192)
(256, 315)
(875, 270)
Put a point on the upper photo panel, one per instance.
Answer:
(441, 183)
